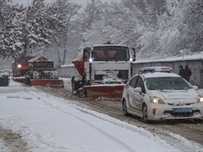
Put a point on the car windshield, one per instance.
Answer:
(168, 83)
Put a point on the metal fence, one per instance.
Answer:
(68, 71)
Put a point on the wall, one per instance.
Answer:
(67, 72)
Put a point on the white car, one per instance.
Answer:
(157, 94)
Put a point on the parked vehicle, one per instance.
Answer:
(9, 71)
(158, 94)
(103, 69)
(4, 78)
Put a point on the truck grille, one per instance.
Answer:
(123, 74)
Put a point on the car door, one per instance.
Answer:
(131, 92)
(138, 96)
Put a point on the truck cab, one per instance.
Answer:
(20, 65)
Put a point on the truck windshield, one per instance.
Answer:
(43, 65)
(110, 53)
(25, 60)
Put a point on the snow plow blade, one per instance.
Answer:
(47, 82)
(19, 79)
(105, 91)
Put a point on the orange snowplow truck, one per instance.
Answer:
(41, 72)
(20, 65)
(103, 69)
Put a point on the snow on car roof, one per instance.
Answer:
(159, 74)
(156, 69)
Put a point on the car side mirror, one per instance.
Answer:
(138, 89)
(195, 87)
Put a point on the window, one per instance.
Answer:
(98, 55)
(133, 81)
(140, 84)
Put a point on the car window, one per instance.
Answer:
(173, 83)
(133, 81)
(140, 84)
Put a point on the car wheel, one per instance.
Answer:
(125, 110)
(145, 114)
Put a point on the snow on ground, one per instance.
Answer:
(53, 124)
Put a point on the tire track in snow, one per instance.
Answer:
(128, 148)
(162, 132)
(12, 140)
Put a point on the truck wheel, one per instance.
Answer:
(84, 92)
(73, 86)
(27, 81)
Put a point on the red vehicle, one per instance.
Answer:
(20, 65)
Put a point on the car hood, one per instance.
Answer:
(169, 96)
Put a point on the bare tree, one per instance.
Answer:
(68, 13)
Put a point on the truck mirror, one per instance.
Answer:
(134, 54)
(86, 54)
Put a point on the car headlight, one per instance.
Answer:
(199, 98)
(156, 100)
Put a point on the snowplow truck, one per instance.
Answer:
(20, 65)
(41, 72)
(103, 69)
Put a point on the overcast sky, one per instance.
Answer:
(83, 2)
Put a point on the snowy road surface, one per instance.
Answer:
(31, 120)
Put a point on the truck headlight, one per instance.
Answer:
(156, 100)
(199, 98)
(19, 65)
(90, 60)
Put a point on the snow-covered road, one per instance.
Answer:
(40, 122)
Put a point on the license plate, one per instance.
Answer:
(182, 110)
